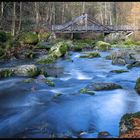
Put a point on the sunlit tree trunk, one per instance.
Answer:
(63, 12)
(83, 7)
(20, 17)
(13, 19)
(2, 7)
(37, 13)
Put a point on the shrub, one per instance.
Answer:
(44, 36)
(3, 37)
(29, 38)
(103, 45)
(129, 42)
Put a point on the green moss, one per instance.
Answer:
(135, 64)
(49, 82)
(47, 60)
(3, 37)
(56, 51)
(33, 73)
(6, 73)
(137, 86)
(29, 38)
(58, 94)
(44, 36)
(90, 55)
(137, 43)
(103, 45)
(129, 42)
(90, 42)
(63, 47)
(119, 71)
(78, 46)
(29, 80)
(86, 91)
(1, 52)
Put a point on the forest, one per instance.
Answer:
(69, 69)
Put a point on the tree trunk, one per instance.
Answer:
(2, 7)
(83, 7)
(37, 14)
(20, 17)
(63, 11)
(13, 19)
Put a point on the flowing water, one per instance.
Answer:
(31, 110)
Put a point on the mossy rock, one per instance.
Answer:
(30, 54)
(27, 70)
(126, 123)
(47, 59)
(137, 86)
(29, 38)
(43, 36)
(29, 80)
(59, 49)
(79, 46)
(103, 45)
(56, 51)
(135, 64)
(58, 94)
(86, 91)
(90, 55)
(49, 82)
(98, 86)
(6, 72)
(119, 71)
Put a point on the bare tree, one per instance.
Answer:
(13, 19)
(20, 17)
(37, 13)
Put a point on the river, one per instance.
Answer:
(31, 110)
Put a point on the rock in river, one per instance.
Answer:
(22, 70)
(130, 125)
(97, 86)
(26, 70)
(119, 71)
(137, 86)
(121, 57)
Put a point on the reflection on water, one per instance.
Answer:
(27, 113)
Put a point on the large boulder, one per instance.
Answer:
(121, 57)
(26, 70)
(130, 125)
(56, 51)
(97, 86)
(137, 86)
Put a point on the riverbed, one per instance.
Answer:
(33, 110)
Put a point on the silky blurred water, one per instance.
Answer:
(39, 113)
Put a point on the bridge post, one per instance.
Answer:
(86, 15)
(71, 36)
